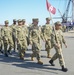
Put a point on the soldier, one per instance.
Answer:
(23, 22)
(7, 39)
(21, 40)
(13, 27)
(34, 37)
(47, 31)
(1, 40)
(64, 28)
(57, 39)
(25, 28)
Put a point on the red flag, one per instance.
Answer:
(50, 8)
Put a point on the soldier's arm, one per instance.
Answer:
(41, 35)
(44, 34)
(30, 36)
(16, 33)
(63, 40)
(53, 39)
(2, 32)
(10, 31)
(27, 31)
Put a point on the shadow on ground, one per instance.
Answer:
(27, 64)
(35, 66)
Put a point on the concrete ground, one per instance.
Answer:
(12, 65)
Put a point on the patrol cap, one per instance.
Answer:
(14, 20)
(23, 20)
(19, 20)
(6, 21)
(48, 18)
(35, 20)
(58, 23)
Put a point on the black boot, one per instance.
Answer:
(6, 55)
(1, 51)
(9, 52)
(13, 50)
(51, 62)
(64, 69)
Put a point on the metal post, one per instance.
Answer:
(73, 10)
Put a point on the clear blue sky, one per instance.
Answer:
(28, 9)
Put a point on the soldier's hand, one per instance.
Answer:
(57, 46)
(31, 43)
(65, 45)
(43, 40)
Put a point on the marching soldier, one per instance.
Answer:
(30, 26)
(7, 38)
(25, 28)
(35, 41)
(21, 40)
(57, 39)
(1, 40)
(13, 27)
(47, 31)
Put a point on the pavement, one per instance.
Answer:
(12, 65)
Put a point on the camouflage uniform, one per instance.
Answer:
(35, 41)
(21, 40)
(57, 39)
(13, 27)
(7, 39)
(47, 31)
(25, 28)
(1, 41)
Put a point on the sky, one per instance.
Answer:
(28, 9)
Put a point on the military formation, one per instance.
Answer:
(17, 37)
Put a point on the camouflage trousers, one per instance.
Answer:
(36, 47)
(14, 42)
(22, 47)
(58, 55)
(48, 47)
(8, 45)
(1, 44)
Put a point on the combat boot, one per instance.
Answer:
(51, 62)
(1, 51)
(6, 55)
(32, 58)
(64, 69)
(49, 56)
(9, 52)
(40, 62)
(22, 58)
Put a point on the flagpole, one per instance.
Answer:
(51, 18)
(52, 22)
(54, 31)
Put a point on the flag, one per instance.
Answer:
(50, 8)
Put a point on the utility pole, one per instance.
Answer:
(73, 10)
